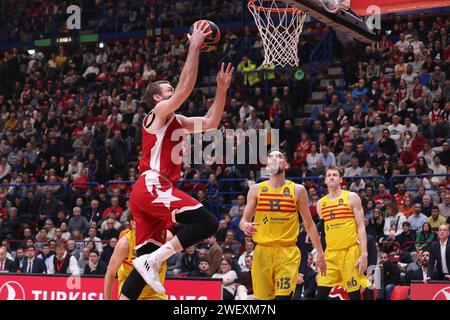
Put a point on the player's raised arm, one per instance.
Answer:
(248, 227)
(120, 253)
(302, 204)
(212, 118)
(355, 203)
(188, 75)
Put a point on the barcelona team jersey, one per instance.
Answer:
(127, 266)
(276, 215)
(339, 222)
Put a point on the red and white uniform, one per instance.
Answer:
(155, 200)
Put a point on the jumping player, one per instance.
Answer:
(346, 240)
(121, 263)
(275, 203)
(155, 198)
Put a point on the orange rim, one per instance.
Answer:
(251, 4)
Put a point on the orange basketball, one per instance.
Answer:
(212, 39)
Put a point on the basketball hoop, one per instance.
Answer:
(280, 26)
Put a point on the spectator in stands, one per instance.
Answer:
(244, 290)
(95, 266)
(63, 262)
(420, 273)
(92, 236)
(418, 218)
(406, 241)
(439, 262)
(228, 277)
(189, 262)
(93, 213)
(391, 275)
(6, 265)
(444, 207)
(32, 264)
(229, 255)
(78, 222)
(114, 208)
(326, 157)
(312, 157)
(49, 205)
(393, 222)
(202, 269)
(249, 246)
(425, 235)
(435, 220)
(306, 281)
(72, 249)
(174, 264)
(214, 254)
(108, 250)
(46, 255)
(353, 169)
(345, 156)
(110, 231)
(232, 243)
(427, 204)
(83, 259)
(65, 233)
(387, 144)
(360, 90)
(222, 230)
(235, 209)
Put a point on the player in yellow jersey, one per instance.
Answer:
(275, 205)
(346, 242)
(121, 263)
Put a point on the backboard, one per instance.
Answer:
(344, 20)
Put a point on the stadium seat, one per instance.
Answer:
(400, 293)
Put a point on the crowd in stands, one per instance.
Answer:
(71, 119)
(36, 19)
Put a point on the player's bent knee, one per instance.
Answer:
(123, 297)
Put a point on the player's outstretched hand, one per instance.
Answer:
(224, 76)
(199, 34)
(249, 228)
(361, 264)
(321, 264)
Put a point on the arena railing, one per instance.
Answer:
(228, 188)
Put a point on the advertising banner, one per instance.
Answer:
(431, 291)
(37, 287)
(390, 6)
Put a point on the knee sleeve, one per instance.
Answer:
(133, 285)
(355, 295)
(199, 225)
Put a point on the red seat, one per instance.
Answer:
(400, 293)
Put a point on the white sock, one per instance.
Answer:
(164, 252)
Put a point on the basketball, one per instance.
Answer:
(212, 39)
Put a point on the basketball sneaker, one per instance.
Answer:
(148, 267)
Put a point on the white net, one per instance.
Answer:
(280, 26)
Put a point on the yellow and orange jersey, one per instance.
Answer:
(339, 222)
(127, 266)
(276, 215)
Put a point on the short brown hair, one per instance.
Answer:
(152, 89)
(334, 168)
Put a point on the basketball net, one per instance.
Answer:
(280, 26)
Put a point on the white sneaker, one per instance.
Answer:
(148, 267)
